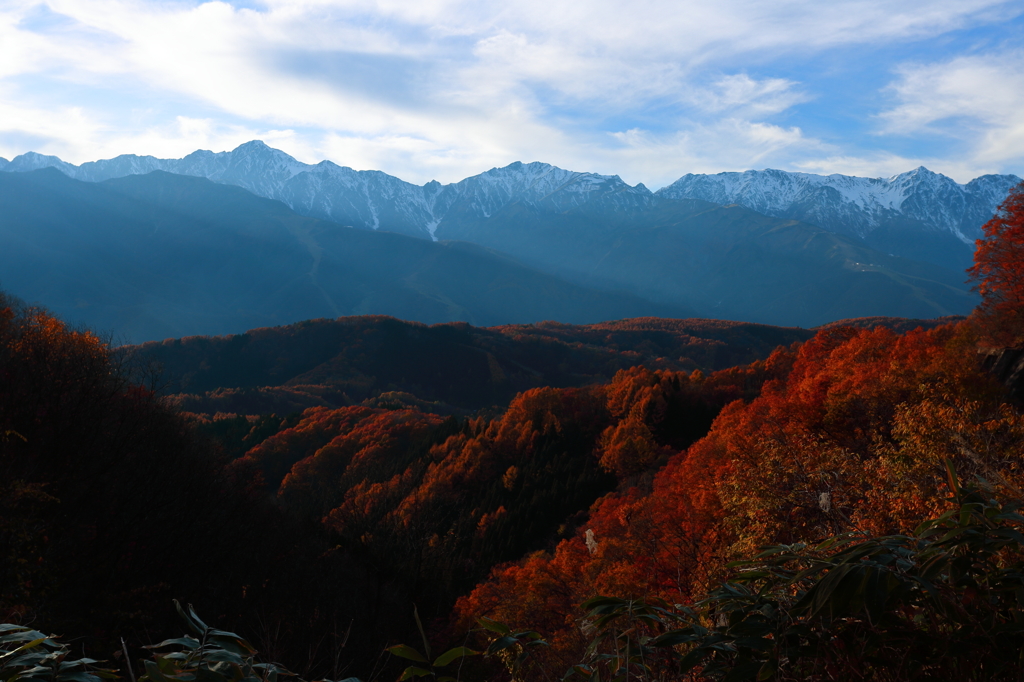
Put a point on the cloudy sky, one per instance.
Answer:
(442, 89)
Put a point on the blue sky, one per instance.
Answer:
(443, 89)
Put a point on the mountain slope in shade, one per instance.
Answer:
(918, 214)
(337, 362)
(598, 231)
(382, 361)
(724, 261)
(161, 255)
(365, 199)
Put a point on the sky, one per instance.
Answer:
(443, 89)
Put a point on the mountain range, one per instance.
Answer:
(771, 247)
(162, 255)
(919, 214)
(918, 201)
(366, 199)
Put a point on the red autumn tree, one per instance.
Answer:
(999, 272)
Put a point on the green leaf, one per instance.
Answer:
(154, 674)
(413, 671)
(196, 626)
(190, 643)
(494, 626)
(25, 635)
(501, 644)
(954, 484)
(674, 638)
(407, 652)
(450, 655)
(196, 618)
(583, 669)
(23, 647)
(691, 660)
(423, 633)
(176, 656)
(223, 656)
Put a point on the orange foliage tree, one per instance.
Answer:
(434, 503)
(999, 272)
(850, 432)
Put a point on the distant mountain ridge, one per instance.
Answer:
(597, 232)
(166, 255)
(905, 214)
(918, 201)
(365, 199)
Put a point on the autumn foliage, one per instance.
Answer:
(643, 487)
(111, 505)
(851, 434)
(999, 272)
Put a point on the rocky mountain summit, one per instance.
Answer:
(592, 233)
(868, 208)
(907, 214)
(764, 246)
(366, 199)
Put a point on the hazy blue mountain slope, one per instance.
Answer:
(919, 214)
(724, 261)
(831, 247)
(366, 199)
(161, 255)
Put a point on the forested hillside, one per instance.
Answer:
(343, 519)
(448, 368)
(589, 531)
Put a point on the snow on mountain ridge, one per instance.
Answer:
(32, 161)
(376, 200)
(853, 205)
(369, 199)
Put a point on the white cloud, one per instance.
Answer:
(447, 87)
(885, 165)
(725, 145)
(741, 93)
(977, 98)
(76, 136)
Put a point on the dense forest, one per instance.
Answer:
(835, 505)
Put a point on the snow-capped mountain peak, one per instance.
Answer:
(30, 161)
(375, 200)
(856, 206)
